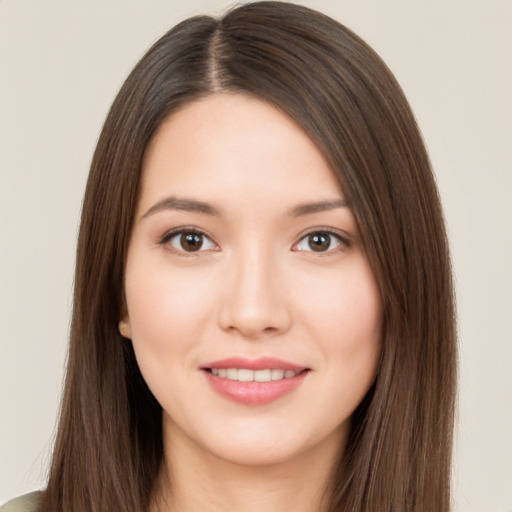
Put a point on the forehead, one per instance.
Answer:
(230, 146)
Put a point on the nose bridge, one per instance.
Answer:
(254, 304)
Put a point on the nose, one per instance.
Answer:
(254, 304)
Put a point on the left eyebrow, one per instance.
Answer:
(321, 206)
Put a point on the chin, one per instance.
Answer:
(265, 443)
(255, 453)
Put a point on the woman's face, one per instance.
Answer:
(254, 315)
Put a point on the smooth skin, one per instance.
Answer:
(228, 258)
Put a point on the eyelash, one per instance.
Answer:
(344, 241)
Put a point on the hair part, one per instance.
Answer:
(108, 452)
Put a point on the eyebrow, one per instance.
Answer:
(195, 206)
(321, 206)
(186, 205)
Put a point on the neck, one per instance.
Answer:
(195, 480)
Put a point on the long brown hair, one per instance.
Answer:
(108, 452)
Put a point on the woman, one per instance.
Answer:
(263, 312)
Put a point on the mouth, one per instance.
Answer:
(248, 375)
(254, 381)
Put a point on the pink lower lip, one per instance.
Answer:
(254, 393)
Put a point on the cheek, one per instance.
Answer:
(167, 307)
(345, 302)
(351, 335)
(169, 314)
(345, 314)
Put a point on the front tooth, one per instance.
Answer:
(288, 374)
(222, 373)
(277, 374)
(262, 376)
(245, 375)
(232, 373)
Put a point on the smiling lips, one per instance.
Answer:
(256, 381)
(247, 375)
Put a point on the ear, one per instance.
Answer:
(125, 328)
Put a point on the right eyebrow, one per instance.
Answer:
(181, 204)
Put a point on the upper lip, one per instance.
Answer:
(261, 363)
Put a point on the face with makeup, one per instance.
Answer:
(254, 315)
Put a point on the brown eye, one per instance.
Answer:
(319, 241)
(189, 241)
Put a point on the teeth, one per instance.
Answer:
(262, 376)
(246, 375)
(232, 374)
(277, 374)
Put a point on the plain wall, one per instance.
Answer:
(62, 62)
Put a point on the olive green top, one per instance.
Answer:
(25, 503)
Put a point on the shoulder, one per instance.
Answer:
(25, 503)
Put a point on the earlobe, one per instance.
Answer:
(124, 327)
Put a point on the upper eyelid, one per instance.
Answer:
(342, 235)
(184, 229)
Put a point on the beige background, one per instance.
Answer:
(61, 63)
